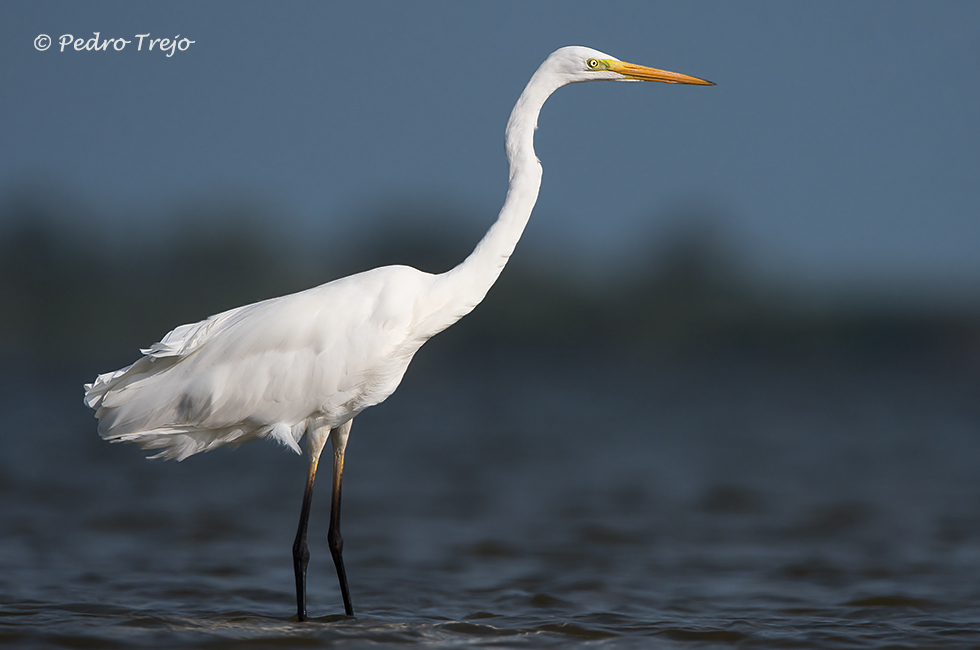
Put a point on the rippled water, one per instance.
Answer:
(523, 500)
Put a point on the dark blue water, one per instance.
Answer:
(511, 499)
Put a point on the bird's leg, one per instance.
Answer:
(338, 438)
(315, 441)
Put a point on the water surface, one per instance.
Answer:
(515, 499)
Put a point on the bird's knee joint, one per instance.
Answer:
(301, 553)
(336, 542)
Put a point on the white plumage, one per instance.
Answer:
(270, 369)
(308, 363)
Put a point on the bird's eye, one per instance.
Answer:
(592, 63)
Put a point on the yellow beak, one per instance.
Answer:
(643, 73)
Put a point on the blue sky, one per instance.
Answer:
(840, 148)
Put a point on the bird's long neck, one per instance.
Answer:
(462, 288)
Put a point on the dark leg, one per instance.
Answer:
(301, 553)
(338, 437)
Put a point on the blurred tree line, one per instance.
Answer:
(67, 291)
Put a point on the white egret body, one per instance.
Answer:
(309, 362)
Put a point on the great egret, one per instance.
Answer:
(309, 362)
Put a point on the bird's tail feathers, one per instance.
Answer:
(131, 407)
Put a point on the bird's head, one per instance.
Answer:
(576, 63)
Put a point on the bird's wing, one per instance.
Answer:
(265, 369)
